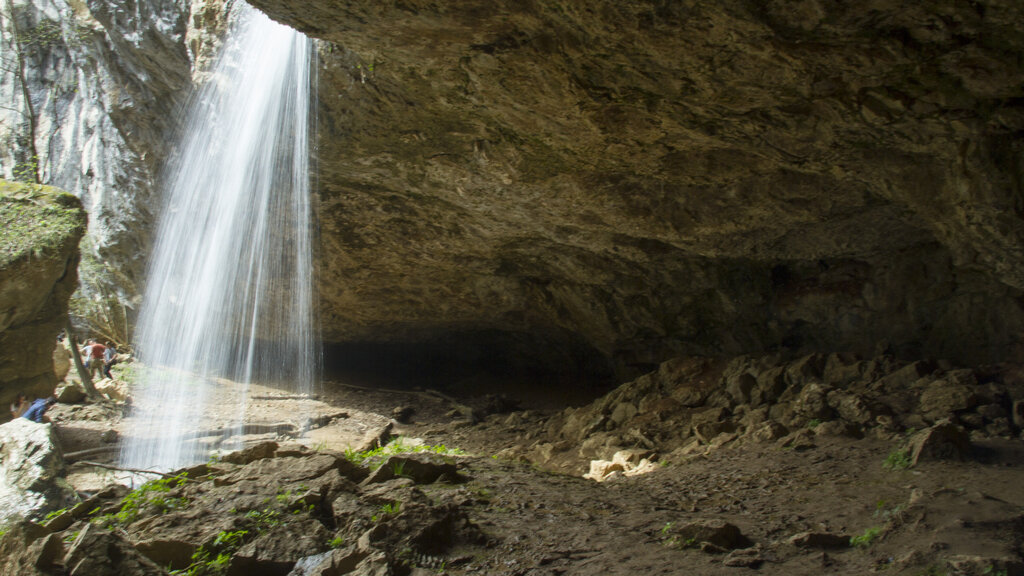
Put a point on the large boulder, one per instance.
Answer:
(31, 469)
(40, 228)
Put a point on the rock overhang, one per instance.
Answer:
(660, 178)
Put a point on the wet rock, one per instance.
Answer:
(25, 549)
(374, 439)
(333, 563)
(99, 552)
(251, 454)
(31, 469)
(820, 540)
(177, 554)
(421, 468)
(716, 532)
(943, 441)
(276, 552)
(285, 470)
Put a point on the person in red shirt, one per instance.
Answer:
(96, 358)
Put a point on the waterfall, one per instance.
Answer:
(229, 292)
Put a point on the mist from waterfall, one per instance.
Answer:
(229, 293)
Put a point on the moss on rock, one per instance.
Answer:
(36, 220)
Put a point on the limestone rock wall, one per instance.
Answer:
(41, 228)
(673, 177)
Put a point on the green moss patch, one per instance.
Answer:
(36, 220)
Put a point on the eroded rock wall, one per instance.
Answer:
(673, 177)
(41, 228)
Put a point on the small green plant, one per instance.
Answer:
(336, 542)
(263, 519)
(888, 514)
(375, 457)
(152, 494)
(866, 538)
(386, 510)
(897, 460)
(666, 528)
(213, 559)
(993, 571)
(54, 514)
(813, 423)
(398, 468)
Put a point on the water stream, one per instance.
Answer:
(229, 293)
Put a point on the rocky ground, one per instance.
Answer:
(819, 465)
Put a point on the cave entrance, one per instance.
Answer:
(537, 371)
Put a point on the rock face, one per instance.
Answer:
(41, 228)
(570, 179)
(30, 471)
(87, 88)
(698, 177)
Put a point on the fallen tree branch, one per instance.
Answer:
(134, 470)
(74, 456)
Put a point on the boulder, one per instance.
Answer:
(40, 228)
(70, 392)
(115, 390)
(252, 453)
(333, 563)
(421, 468)
(944, 398)
(26, 550)
(284, 470)
(276, 552)
(812, 403)
(31, 469)
(943, 441)
(99, 552)
(716, 532)
(850, 407)
(61, 361)
(820, 540)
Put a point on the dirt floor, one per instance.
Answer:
(756, 507)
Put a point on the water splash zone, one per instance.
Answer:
(229, 294)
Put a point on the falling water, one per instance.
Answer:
(228, 299)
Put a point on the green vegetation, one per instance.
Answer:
(213, 559)
(36, 221)
(153, 494)
(374, 458)
(897, 460)
(813, 423)
(54, 514)
(336, 542)
(867, 538)
(387, 510)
